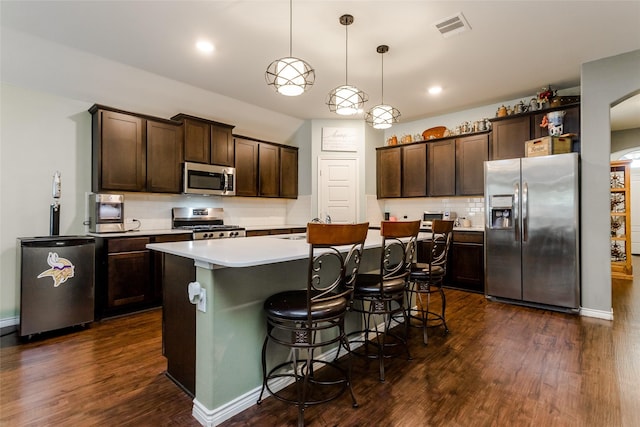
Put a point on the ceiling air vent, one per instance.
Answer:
(453, 25)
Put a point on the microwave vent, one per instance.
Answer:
(453, 25)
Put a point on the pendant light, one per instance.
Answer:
(290, 76)
(346, 100)
(382, 116)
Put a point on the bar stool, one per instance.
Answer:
(305, 320)
(381, 295)
(427, 278)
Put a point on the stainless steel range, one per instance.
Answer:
(206, 223)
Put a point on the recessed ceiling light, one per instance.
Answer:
(204, 46)
(434, 90)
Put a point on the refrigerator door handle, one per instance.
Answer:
(516, 212)
(525, 213)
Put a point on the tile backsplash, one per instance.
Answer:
(471, 208)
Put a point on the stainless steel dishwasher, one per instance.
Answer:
(56, 282)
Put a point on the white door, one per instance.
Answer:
(635, 211)
(338, 189)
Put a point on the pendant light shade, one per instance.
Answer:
(382, 116)
(346, 100)
(290, 76)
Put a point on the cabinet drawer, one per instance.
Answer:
(128, 244)
(468, 237)
(165, 238)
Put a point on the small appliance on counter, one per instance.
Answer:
(429, 216)
(206, 223)
(106, 213)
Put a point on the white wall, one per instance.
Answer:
(605, 83)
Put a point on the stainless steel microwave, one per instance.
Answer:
(209, 179)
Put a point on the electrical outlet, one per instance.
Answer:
(202, 301)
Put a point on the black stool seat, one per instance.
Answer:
(369, 284)
(292, 305)
(421, 271)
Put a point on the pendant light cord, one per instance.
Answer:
(290, 28)
(346, 54)
(382, 80)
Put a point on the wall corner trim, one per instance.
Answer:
(599, 314)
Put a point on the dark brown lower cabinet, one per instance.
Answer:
(179, 321)
(127, 274)
(466, 261)
(465, 269)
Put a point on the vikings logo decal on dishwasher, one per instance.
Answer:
(61, 269)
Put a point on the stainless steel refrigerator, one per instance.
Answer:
(532, 229)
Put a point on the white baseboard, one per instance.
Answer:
(9, 321)
(599, 314)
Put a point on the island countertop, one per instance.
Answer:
(252, 251)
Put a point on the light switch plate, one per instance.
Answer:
(202, 301)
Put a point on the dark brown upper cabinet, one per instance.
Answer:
(509, 136)
(268, 170)
(389, 172)
(119, 151)
(207, 141)
(442, 168)
(164, 157)
(246, 167)
(471, 153)
(510, 133)
(414, 170)
(197, 141)
(289, 172)
(264, 169)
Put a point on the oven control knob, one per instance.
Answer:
(206, 235)
(234, 234)
(221, 235)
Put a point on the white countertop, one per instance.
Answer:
(272, 227)
(252, 251)
(140, 233)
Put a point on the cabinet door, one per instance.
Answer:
(442, 168)
(509, 137)
(246, 167)
(268, 170)
(197, 141)
(157, 262)
(471, 152)
(288, 172)
(129, 279)
(414, 170)
(222, 150)
(388, 168)
(164, 157)
(466, 267)
(120, 162)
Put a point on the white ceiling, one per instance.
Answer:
(513, 49)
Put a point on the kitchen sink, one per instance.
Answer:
(293, 237)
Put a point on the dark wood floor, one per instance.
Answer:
(500, 365)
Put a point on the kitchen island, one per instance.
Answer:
(238, 275)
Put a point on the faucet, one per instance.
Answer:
(328, 219)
